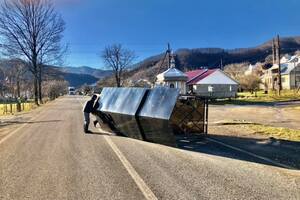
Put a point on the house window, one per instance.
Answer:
(282, 79)
(172, 85)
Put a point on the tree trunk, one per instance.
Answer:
(40, 84)
(118, 80)
(36, 81)
(35, 88)
(40, 89)
(18, 89)
(18, 96)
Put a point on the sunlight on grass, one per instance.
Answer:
(246, 98)
(286, 95)
(12, 108)
(276, 132)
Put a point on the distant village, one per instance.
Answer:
(218, 83)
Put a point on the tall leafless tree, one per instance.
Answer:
(118, 59)
(32, 30)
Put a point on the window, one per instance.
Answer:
(172, 85)
(282, 79)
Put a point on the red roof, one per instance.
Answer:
(197, 75)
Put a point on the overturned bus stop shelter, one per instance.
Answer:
(153, 115)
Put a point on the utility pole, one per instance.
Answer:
(221, 64)
(278, 62)
(273, 51)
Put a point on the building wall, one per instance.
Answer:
(295, 78)
(177, 84)
(286, 82)
(218, 90)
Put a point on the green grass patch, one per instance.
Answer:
(247, 98)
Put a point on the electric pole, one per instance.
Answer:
(278, 62)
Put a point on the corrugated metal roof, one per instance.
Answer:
(211, 76)
(197, 75)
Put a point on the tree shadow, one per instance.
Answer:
(7, 123)
(285, 154)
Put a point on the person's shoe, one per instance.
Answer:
(85, 128)
(95, 123)
(88, 131)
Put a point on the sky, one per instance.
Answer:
(146, 26)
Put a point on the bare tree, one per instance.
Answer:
(250, 83)
(236, 70)
(2, 82)
(32, 30)
(55, 88)
(118, 58)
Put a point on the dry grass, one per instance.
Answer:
(12, 109)
(276, 132)
(260, 129)
(286, 95)
(246, 98)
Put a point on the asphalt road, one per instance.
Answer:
(51, 158)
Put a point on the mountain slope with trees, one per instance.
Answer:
(189, 59)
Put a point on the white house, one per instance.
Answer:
(290, 74)
(211, 83)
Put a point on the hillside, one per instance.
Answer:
(75, 76)
(78, 76)
(187, 59)
(98, 73)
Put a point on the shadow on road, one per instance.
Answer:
(280, 151)
(99, 133)
(7, 123)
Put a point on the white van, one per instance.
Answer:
(71, 90)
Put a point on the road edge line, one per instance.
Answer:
(251, 154)
(147, 192)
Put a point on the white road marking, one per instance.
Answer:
(251, 154)
(147, 192)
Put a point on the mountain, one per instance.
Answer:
(75, 76)
(188, 59)
(98, 73)
(78, 76)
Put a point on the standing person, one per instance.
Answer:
(97, 112)
(89, 107)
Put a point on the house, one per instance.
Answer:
(172, 78)
(212, 83)
(290, 74)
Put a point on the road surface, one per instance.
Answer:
(49, 157)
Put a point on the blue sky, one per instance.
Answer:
(146, 26)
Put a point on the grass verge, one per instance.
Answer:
(246, 98)
(8, 109)
(276, 132)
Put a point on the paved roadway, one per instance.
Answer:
(51, 158)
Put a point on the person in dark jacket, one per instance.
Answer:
(89, 107)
